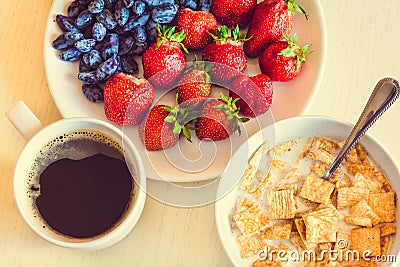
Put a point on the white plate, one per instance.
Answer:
(285, 130)
(290, 99)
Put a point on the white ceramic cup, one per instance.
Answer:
(37, 137)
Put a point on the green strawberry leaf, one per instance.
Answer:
(296, 8)
(186, 133)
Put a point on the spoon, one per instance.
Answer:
(386, 92)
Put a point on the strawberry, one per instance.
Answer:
(271, 19)
(282, 60)
(164, 61)
(127, 98)
(196, 25)
(162, 126)
(255, 94)
(227, 52)
(218, 119)
(233, 13)
(195, 83)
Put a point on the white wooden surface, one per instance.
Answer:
(363, 41)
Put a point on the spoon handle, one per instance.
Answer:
(383, 96)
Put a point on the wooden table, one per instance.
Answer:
(363, 40)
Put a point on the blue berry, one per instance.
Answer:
(88, 77)
(205, 5)
(121, 14)
(164, 14)
(106, 69)
(139, 34)
(96, 6)
(99, 31)
(136, 21)
(92, 59)
(139, 7)
(138, 48)
(188, 3)
(107, 18)
(66, 39)
(66, 24)
(93, 92)
(85, 45)
(153, 3)
(76, 7)
(129, 65)
(125, 45)
(84, 19)
(128, 3)
(70, 54)
(110, 46)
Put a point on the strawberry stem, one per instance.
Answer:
(294, 50)
(296, 8)
(169, 34)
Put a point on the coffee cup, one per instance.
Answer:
(47, 148)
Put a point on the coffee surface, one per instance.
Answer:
(86, 197)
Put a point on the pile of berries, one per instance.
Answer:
(107, 35)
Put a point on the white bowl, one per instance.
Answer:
(285, 130)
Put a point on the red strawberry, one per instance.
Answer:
(195, 83)
(196, 25)
(255, 94)
(162, 126)
(218, 119)
(233, 13)
(127, 98)
(228, 53)
(281, 61)
(271, 19)
(164, 61)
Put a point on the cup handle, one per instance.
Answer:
(23, 120)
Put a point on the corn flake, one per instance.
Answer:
(349, 196)
(281, 204)
(360, 221)
(364, 182)
(363, 239)
(250, 245)
(367, 171)
(383, 205)
(388, 229)
(280, 230)
(362, 209)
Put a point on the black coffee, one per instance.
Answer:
(86, 189)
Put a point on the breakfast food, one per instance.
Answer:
(233, 13)
(196, 25)
(164, 61)
(255, 94)
(227, 53)
(270, 21)
(282, 60)
(218, 119)
(301, 212)
(127, 98)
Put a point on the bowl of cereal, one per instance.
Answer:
(278, 211)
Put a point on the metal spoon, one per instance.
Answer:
(386, 92)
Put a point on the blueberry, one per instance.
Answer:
(110, 46)
(153, 3)
(88, 77)
(109, 4)
(136, 21)
(96, 6)
(125, 45)
(99, 31)
(76, 7)
(107, 18)
(139, 7)
(83, 67)
(204, 5)
(129, 65)
(66, 39)
(85, 45)
(121, 13)
(84, 19)
(106, 69)
(164, 13)
(92, 59)
(66, 24)
(188, 3)
(128, 3)
(139, 34)
(93, 92)
(70, 54)
(138, 48)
